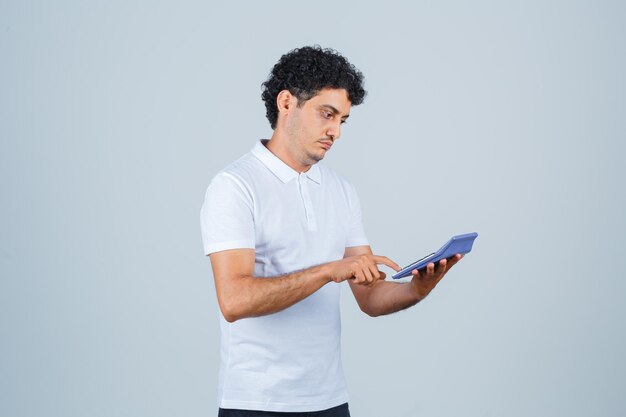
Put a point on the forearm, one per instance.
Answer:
(255, 296)
(241, 294)
(389, 297)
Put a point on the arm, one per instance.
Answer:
(240, 294)
(384, 297)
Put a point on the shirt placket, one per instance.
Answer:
(305, 195)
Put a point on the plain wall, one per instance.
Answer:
(504, 118)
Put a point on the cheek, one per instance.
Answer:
(308, 128)
(294, 126)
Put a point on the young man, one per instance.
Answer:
(282, 232)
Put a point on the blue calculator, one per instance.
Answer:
(457, 244)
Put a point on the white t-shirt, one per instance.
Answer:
(290, 360)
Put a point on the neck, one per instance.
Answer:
(278, 146)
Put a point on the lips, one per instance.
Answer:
(326, 144)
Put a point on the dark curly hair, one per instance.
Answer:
(307, 70)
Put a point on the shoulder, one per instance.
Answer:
(240, 172)
(247, 166)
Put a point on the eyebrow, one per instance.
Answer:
(334, 110)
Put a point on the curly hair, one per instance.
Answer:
(307, 70)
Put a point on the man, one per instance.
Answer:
(283, 232)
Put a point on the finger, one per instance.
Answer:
(416, 273)
(442, 266)
(370, 270)
(453, 260)
(375, 272)
(363, 280)
(369, 277)
(430, 268)
(382, 275)
(386, 261)
(456, 258)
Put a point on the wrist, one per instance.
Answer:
(419, 291)
(323, 273)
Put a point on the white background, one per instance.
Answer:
(504, 118)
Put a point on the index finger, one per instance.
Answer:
(386, 261)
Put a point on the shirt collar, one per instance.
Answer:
(283, 171)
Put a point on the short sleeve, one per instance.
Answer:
(227, 215)
(356, 232)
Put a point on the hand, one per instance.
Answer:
(426, 280)
(362, 269)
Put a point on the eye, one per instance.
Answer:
(326, 114)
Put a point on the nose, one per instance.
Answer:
(334, 131)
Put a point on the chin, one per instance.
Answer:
(316, 157)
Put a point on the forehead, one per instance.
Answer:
(335, 97)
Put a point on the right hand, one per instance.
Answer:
(362, 269)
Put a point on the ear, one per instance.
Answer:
(285, 101)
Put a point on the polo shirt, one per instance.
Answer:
(289, 361)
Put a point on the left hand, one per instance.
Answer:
(424, 282)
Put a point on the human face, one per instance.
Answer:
(313, 127)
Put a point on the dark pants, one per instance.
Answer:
(339, 411)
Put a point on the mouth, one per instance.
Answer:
(326, 144)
